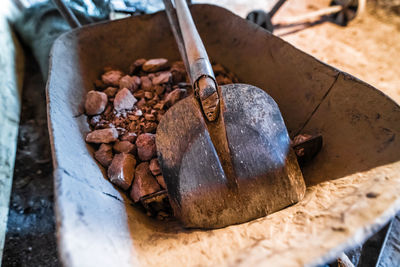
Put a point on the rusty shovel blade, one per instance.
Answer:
(267, 175)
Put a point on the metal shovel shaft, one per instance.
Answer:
(68, 15)
(195, 58)
(195, 51)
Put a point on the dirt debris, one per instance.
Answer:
(123, 132)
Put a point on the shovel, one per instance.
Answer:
(225, 152)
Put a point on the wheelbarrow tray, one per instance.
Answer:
(353, 183)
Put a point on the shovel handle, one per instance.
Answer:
(68, 15)
(201, 73)
(196, 53)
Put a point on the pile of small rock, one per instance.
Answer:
(124, 110)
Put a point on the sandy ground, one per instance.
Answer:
(368, 48)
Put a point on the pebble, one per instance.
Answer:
(163, 77)
(174, 97)
(121, 170)
(112, 77)
(131, 137)
(107, 135)
(124, 100)
(144, 183)
(132, 83)
(150, 117)
(95, 102)
(147, 85)
(104, 155)
(136, 66)
(178, 72)
(148, 95)
(146, 146)
(158, 89)
(150, 127)
(154, 65)
(110, 91)
(124, 147)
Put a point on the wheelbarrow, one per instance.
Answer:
(353, 184)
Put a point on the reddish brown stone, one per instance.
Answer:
(161, 181)
(107, 135)
(141, 103)
(151, 102)
(95, 102)
(150, 117)
(148, 95)
(178, 72)
(158, 89)
(112, 77)
(132, 83)
(150, 127)
(139, 94)
(146, 83)
(174, 97)
(159, 105)
(136, 66)
(144, 183)
(110, 91)
(155, 167)
(133, 126)
(124, 147)
(131, 137)
(162, 77)
(124, 100)
(146, 146)
(155, 64)
(104, 155)
(121, 170)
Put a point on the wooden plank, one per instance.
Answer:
(11, 72)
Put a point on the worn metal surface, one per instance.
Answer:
(266, 176)
(225, 152)
(353, 182)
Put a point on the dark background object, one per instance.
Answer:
(42, 23)
(30, 238)
(350, 9)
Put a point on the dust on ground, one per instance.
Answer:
(368, 48)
